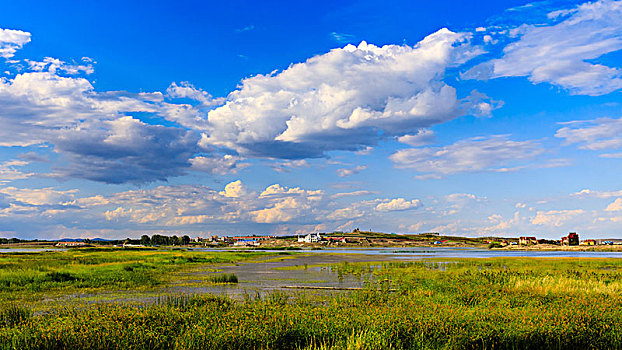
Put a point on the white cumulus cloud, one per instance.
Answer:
(556, 217)
(11, 41)
(398, 204)
(615, 205)
(346, 99)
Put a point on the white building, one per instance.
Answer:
(310, 238)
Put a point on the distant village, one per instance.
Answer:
(355, 238)
(572, 239)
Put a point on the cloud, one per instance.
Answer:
(346, 99)
(125, 150)
(54, 66)
(365, 151)
(615, 205)
(282, 211)
(495, 153)
(398, 204)
(597, 134)
(198, 205)
(342, 38)
(345, 172)
(287, 166)
(33, 157)
(234, 189)
(562, 53)
(346, 214)
(459, 201)
(39, 196)
(352, 194)
(421, 138)
(164, 207)
(597, 194)
(446, 228)
(187, 90)
(246, 29)
(462, 197)
(97, 134)
(555, 217)
(498, 225)
(227, 164)
(276, 190)
(9, 171)
(96, 138)
(11, 41)
(371, 208)
(33, 105)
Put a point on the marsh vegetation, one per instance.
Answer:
(500, 303)
(37, 275)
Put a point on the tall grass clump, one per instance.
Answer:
(224, 278)
(13, 314)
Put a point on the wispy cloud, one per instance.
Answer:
(562, 52)
(342, 38)
(353, 194)
(597, 134)
(246, 29)
(587, 193)
(495, 153)
(344, 172)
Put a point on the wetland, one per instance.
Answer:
(400, 299)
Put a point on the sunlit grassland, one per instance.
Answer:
(31, 276)
(501, 303)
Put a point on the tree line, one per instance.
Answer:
(161, 240)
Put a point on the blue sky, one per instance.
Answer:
(471, 118)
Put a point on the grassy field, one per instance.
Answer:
(26, 277)
(502, 303)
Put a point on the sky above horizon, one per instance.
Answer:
(465, 118)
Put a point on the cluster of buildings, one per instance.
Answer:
(239, 241)
(317, 238)
(571, 239)
(71, 244)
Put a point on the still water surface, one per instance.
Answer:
(449, 252)
(310, 268)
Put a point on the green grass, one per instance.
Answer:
(36, 275)
(501, 303)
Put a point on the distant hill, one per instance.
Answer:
(82, 239)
